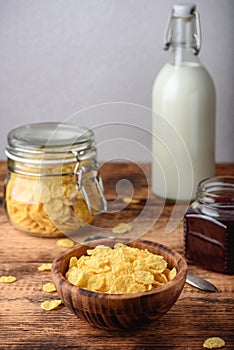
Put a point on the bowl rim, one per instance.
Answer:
(181, 274)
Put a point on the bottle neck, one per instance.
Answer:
(183, 41)
(181, 56)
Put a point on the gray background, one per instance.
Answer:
(58, 57)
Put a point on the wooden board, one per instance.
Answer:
(196, 315)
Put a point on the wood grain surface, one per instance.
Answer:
(196, 315)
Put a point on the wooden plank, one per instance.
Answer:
(24, 325)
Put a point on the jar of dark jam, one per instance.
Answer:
(209, 226)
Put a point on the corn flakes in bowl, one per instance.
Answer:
(119, 286)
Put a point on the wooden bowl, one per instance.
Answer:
(118, 311)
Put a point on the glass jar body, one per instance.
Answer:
(209, 226)
(45, 201)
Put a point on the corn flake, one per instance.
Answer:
(65, 242)
(49, 287)
(49, 305)
(214, 343)
(144, 277)
(73, 261)
(120, 270)
(96, 282)
(129, 200)
(45, 267)
(7, 279)
(172, 274)
(77, 277)
(122, 228)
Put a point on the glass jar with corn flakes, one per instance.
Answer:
(53, 185)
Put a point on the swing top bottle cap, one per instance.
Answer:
(183, 9)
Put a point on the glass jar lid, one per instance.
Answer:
(49, 141)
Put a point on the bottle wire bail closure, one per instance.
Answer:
(90, 185)
(196, 34)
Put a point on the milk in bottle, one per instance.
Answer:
(183, 104)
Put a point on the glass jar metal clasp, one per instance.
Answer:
(90, 185)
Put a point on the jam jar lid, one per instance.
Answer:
(48, 141)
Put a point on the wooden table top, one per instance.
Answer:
(196, 315)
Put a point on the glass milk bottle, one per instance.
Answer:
(183, 104)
